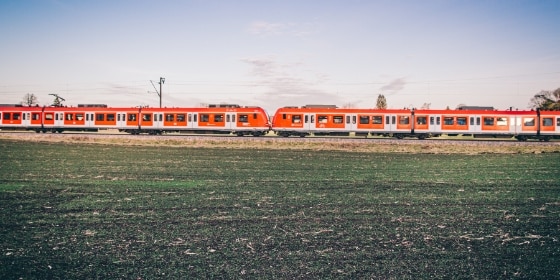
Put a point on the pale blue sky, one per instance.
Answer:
(277, 53)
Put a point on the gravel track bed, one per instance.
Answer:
(360, 144)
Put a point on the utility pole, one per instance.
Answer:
(161, 82)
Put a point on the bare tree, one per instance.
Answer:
(546, 100)
(426, 106)
(348, 105)
(381, 102)
(29, 99)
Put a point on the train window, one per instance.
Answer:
(146, 117)
(488, 121)
(17, 116)
(438, 120)
(283, 116)
(338, 119)
(169, 117)
(180, 117)
(254, 116)
(558, 122)
(377, 120)
(24, 118)
(0, 116)
(472, 120)
(219, 118)
(100, 117)
(364, 119)
(312, 118)
(195, 116)
(111, 117)
(296, 119)
(7, 116)
(322, 119)
(393, 120)
(461, 120)
(228, 118)
(69, 117)
(448, 121)
(131, 117)
(347, 119)
(547, 122)
(306, 118)
(35, 116)
(244, 118)
(432, 120)
(387, 120)
(502, 122)
(529, 121)
(404, 119)
(190, 117)
(49, 116)
(353, 119)
(204, 117)
(478, 121)
(79, 116)
(421, 120)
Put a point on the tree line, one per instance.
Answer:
(544, 100)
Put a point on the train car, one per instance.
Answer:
(329, 120)
(541, 125)
(59, 119)
(231, 119)
(17, 117)
(215, 119)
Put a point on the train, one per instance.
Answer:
(224, 119)
(288, 121)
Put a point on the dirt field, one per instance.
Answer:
(376, 145)
(170, 208)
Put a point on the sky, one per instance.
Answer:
(273, 54)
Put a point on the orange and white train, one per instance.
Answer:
(288, 121)
(400, 123)
(215, 119)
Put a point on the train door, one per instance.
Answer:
(231, 122)
(475, 124)
(90, 121)
(309, 122)
(58, 119)
(26, 119)
(158, 121)
(516, 125)
(435, 124)
(351, 122)
(192, 120)
(121, 120)
(390, 123)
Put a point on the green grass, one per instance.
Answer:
(72, 211)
